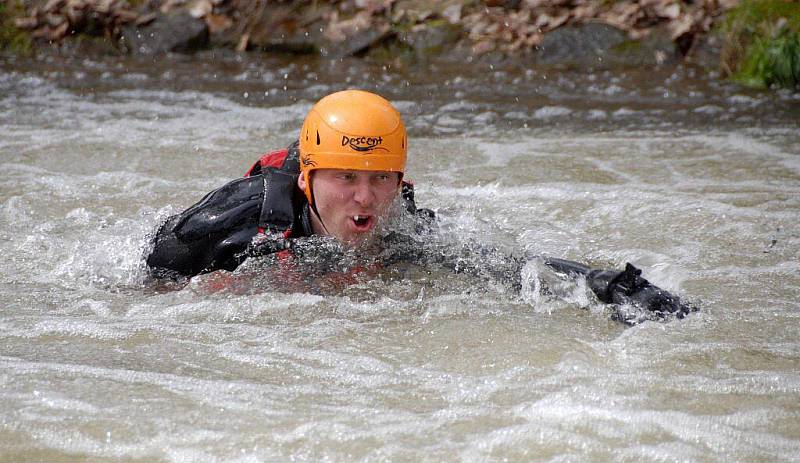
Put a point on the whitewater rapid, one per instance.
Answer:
(699, 187)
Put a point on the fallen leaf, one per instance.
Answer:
(558, 21)
(218, 22)
(26, 23)
(534, 40)
(482, 47)
(242, 45)
(41, 32)
(53, 5)
(74, 15)
(671, 11)
(584, 12)
(452, 13)
(200, 8)
(76, 4)
(103, 6)
(125, 16)
(59, 32)
(532, 4)
(680, 26)
(55, 20)
(145, 19)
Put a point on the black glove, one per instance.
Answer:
(265, 244)
(628, 288)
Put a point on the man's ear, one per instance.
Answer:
(301, 182)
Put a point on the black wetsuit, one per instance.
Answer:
(215, 233)
(265, 212)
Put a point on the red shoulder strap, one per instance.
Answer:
(271, 159)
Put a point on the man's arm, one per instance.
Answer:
(211, 235)
(625, 288)
(621, 289)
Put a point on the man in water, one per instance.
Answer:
(339, 180)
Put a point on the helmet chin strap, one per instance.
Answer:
(314, 208)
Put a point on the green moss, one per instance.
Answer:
(628, 46)
(12, 38)
(438, 22)
(762, 43)
(391, 51)
(402, 27)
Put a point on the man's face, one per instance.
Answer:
(350, 202)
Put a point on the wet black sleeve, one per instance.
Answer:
(620, 289)
(626, 288)
(211, 235)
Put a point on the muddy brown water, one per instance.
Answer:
(695, 181)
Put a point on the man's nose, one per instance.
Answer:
(363, 194)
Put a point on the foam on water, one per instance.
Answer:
(418, 363)
(182, 119)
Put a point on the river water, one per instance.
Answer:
(695, 181)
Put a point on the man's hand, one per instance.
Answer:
(264, 244)
(628, 288)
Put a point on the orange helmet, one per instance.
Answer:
(352, 130)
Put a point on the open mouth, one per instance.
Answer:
(362, 222)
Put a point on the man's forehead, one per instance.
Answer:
(356, 171)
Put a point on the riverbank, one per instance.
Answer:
(564, 32)
(577, 34)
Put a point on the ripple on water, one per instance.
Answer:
(549, 112)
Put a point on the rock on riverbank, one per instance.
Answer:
(561, 32)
